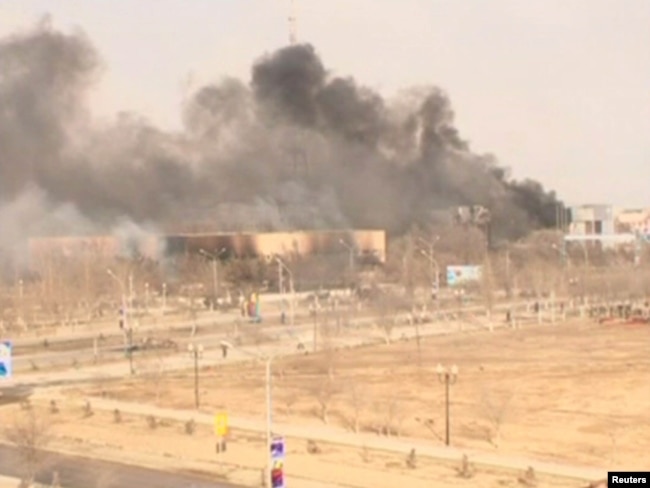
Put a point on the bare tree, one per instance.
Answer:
(494, 407)
(393, 416)
(357, 398)
(156, 368)
(30, 434)
(324, 393)
(290, 399)
(330, 352)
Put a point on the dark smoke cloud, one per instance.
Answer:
(294, 148)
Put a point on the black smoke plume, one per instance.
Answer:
(296, 147)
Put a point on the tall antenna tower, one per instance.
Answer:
(293, 28)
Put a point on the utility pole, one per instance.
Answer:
(283, 267)
(434, 268)
(126, 323)
(196, 352)
(214, 257)
(448, 377)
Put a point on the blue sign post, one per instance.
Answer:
(5, 360)
(277, 462)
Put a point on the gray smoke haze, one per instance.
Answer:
(296, 147)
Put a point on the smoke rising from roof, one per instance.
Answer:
(297, 147)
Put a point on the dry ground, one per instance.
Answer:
(576, 392)
(168, 446)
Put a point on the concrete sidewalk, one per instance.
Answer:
(7, 482)
(335, 435)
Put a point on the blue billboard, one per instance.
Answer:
(457, 275)
(5, 359)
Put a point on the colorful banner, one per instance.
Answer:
(6, 351)
(221, 424)
(277, 462)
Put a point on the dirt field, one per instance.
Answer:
(168, 446)
(572, 393)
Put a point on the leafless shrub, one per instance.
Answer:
(429, 423)
(494, 406)
(313, 448)
(466, 469)
(30, 434)
(88, 409)
(528, 478)
(411, 460)
(290, 399)
(365, 454)
(392, 417)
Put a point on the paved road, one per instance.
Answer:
(79, 472)
(88, 332)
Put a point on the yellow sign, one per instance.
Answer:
(221, 424)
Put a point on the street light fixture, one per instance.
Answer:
(351, 251)
(268, 360)
(215, 272)
(283, 266)
(447, 376)
(126, 323)
(196, 352)
(429, 254)
(434, 269)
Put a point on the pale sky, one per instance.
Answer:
(558, 90)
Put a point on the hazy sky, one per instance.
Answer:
(558, 90)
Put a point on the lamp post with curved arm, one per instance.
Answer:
(126, 323)
(268, 360)
(292, 313)
(447, 376)
(196, 353)
(215, 272)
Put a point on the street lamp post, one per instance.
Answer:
(268, 360)
(350, 256)
(447, 377)
(292, 311)
(215, 272)
(433, 264)
(196, 352)
(126, 324)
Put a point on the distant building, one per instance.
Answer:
(634, 221)
(368, 245)
(591, 220)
